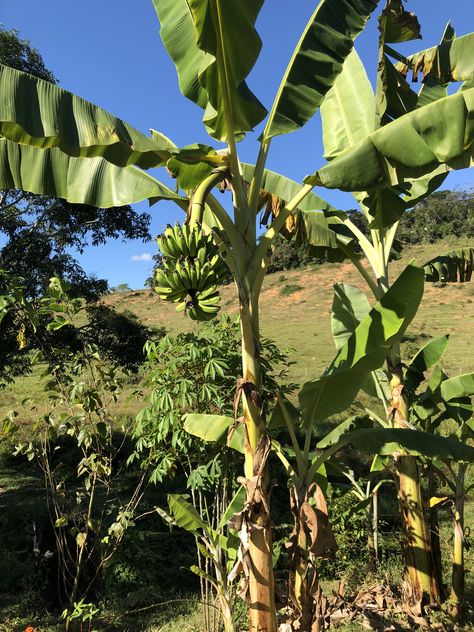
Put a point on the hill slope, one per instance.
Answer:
(295, 313)
(301, 319)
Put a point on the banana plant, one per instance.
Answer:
(385, 140)
(57, 144)
(451, 267)
(444, 399)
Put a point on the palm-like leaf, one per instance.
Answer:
(285, 188)
(92, 181)
(365, 350)
(407, 148)
(35, 112)
(214, 46)
(316, 62)
(451, 60)
(347, 120)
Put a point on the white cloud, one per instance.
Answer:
(146, 256)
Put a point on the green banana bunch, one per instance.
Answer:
(192, 270)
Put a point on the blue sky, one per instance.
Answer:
(110, 52)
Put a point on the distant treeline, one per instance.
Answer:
(443, 215)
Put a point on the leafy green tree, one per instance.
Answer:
(443, 215)
(77, 443)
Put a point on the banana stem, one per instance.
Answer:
(457, 582)
(199, 198)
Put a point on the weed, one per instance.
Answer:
(290, 289)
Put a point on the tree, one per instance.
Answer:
(214, 46)
(39, 230)
(443, 215)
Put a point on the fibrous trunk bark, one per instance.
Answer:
(434, 533)
(261, 589)
(420, 584)
(457, 581)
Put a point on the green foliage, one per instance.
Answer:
(120, 336)
(193, 373)
(451, 267)
(365, 350)
(442, 215)
(287, 255)
(75, 445)
(287, 290)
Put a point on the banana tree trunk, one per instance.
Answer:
(303, 596)
(261, 589)
(457, 581)
(420, 584)
(434, 533)
(371, 534)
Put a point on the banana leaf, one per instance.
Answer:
(316, 62)
(426, 358)
(284, 188)
(455, 387)
(393, 96)
(410, 147)
(185, 515)
(191, 31)
(365, 350)
(38, 113)
(349, 307)
(388, 441)
(451, 60)
(347, 120)
(92, 181)
(215, 428)
(451, 267)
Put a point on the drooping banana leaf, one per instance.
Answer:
(410, 147)
(214, 46)
(322, 231)
(451, 267)
(435, 85)
(316, 62)
(398, 24)
(284, 188)
(215, 428)
(38, 113)
(393, 96)
(365, 350)
(451, 60)
(92, 181)
(388, 441)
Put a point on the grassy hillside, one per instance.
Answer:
(300, 317)
(295, 312)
